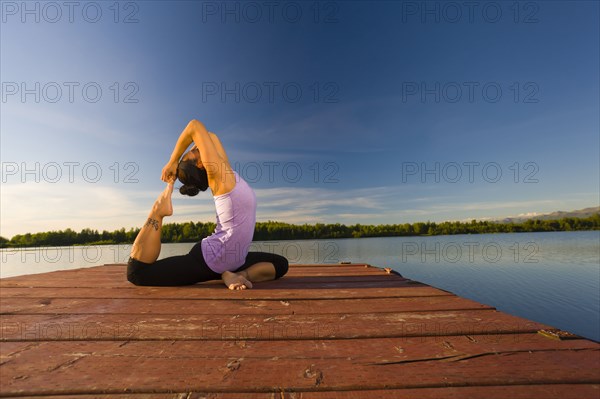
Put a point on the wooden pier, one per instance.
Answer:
(322, 331)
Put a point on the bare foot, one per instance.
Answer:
(163, 205)
(235, 281)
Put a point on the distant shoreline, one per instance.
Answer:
(271, 231)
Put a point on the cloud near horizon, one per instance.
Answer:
(26, 207)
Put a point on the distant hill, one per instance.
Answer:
(580, 213)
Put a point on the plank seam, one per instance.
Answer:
(250, 314)
(283, 390)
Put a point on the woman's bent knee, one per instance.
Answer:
(134, 275)
(281, 266)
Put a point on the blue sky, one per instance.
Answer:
(349, 112)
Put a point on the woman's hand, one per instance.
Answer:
(169, 172)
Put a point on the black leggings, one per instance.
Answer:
(192, 268)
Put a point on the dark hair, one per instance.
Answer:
(194, 179)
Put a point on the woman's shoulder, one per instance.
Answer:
(225, 183)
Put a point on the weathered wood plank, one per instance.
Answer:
(79, 372)
(242, 306)
(286, 282)
(367, 350)
(552, 391)
(119, 271)
(216, 291)
(243, 326)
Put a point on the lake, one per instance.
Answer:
(552, 278)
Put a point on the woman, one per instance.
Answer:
(222, 255)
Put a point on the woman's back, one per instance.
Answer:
(227, 247)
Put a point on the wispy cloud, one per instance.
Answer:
(45, 206)
(311, 129)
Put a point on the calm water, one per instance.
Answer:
(553, 278)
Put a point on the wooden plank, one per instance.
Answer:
(294, 269)
(38, 327)
(216, 291)
(76, 371)
(61, 275)
(10, 305)
(115, 276)
(367, 350)
(304, 282)
(552, 391)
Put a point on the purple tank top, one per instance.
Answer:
(226, 248)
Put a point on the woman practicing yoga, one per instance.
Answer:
(224, 254)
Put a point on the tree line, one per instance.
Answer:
(271, 230)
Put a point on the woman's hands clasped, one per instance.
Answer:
(169, 172)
